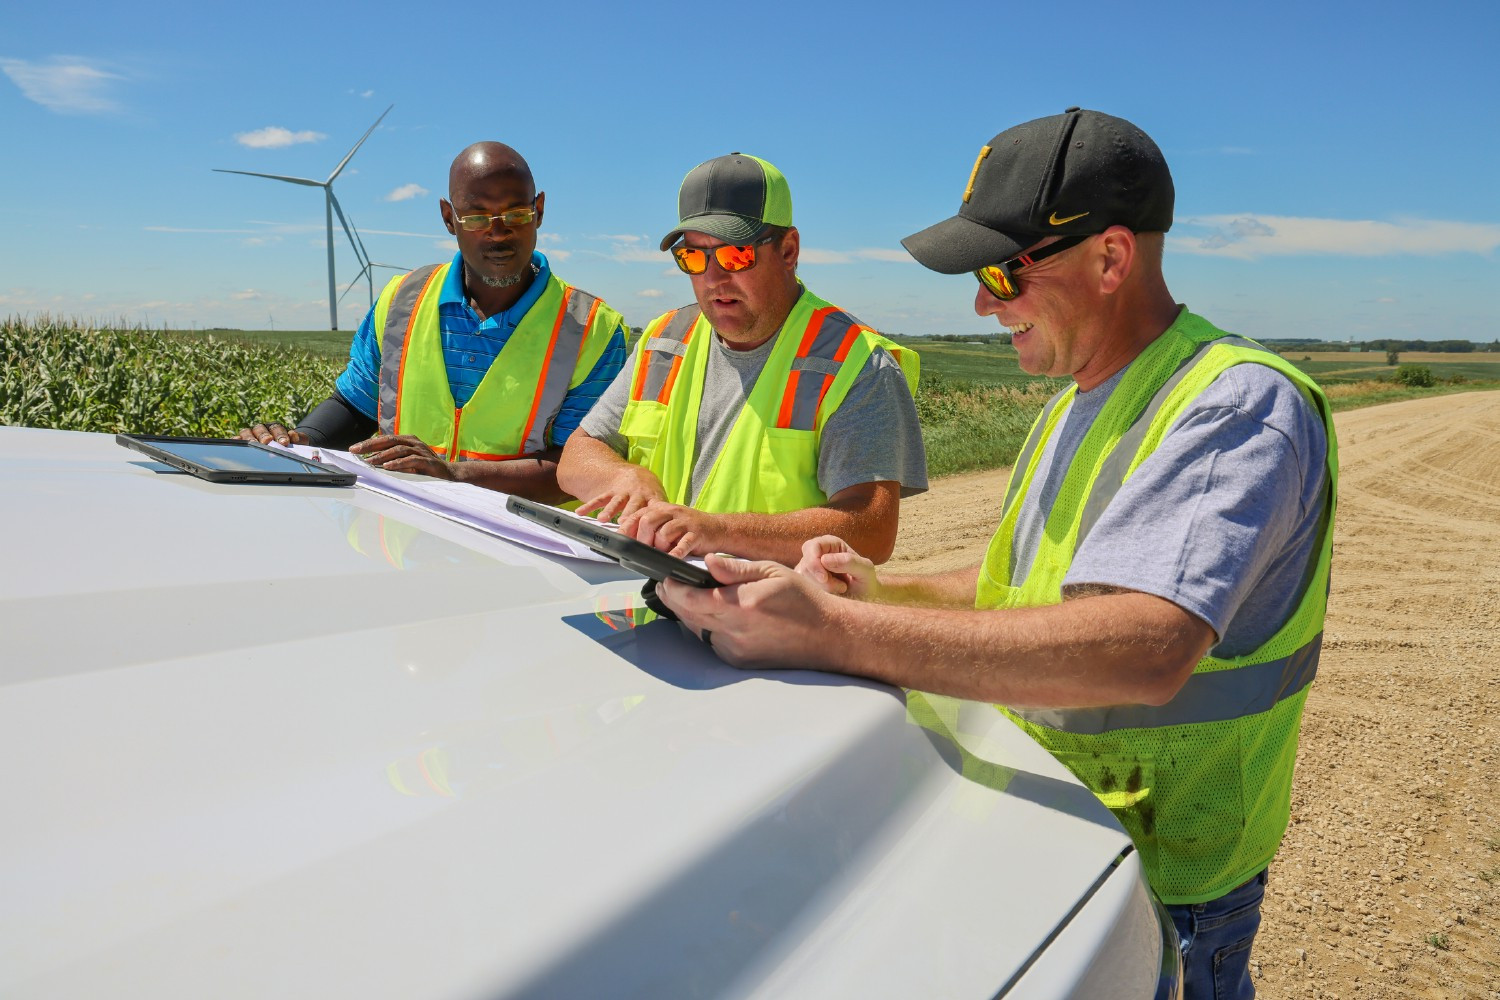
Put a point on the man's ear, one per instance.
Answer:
(541, 203)
(791, 247)
(447, 211)
(1119, 251)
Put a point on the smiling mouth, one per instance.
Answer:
(1020, 328)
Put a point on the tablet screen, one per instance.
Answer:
(235, 461)
(227, 456)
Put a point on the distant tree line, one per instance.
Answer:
(967, 338)
(1375, 346)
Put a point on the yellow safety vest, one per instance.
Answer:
(769, 462)
(1203, 783)
(552, 349)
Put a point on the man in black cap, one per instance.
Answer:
(1151, 606)
(760, 416)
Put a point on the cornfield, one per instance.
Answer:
(71, 376)
(968, 426)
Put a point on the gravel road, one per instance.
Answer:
(1388, 882)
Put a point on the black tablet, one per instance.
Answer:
(626, 551)
(231, 460)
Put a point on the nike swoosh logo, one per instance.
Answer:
(1058, 222)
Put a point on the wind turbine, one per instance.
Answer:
(366, 266)
(330, 206)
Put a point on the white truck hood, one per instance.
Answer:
(288, 741)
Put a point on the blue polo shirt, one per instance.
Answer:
(470, 346)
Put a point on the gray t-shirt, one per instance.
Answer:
(1220, 519)
(873, 436)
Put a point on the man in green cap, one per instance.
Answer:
(761, 415)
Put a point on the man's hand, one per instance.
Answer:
(832, 564)
(272, 434)
(766, 615)
(681, 531)
(630, 487)
(403, 453)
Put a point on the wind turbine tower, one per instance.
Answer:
(330, 206)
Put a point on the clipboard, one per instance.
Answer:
(232, 460)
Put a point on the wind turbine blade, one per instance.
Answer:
(359, 251)
(362, 273)
(361, 142)
(275, 177)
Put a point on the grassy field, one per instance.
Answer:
(974, 401)
(1331, 368)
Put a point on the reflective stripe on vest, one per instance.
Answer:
(398, 319)
(824, 347)
(406, 307)
(1217, 696)
(664, 351)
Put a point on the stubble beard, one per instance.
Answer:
(503, 281)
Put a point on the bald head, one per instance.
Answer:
(484, 160)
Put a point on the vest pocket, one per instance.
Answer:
(642, 427)
(787, 470)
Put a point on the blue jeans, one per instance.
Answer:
(1216, 938)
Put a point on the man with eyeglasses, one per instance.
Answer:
(761, 415)
(479, 369)
(1151, 606)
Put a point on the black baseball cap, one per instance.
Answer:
(733, 197)
(1077, 173)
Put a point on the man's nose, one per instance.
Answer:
(985, 302)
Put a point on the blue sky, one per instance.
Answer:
(1336, 163)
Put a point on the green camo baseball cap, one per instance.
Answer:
(733, 197)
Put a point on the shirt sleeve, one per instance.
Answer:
(1222, 517)
(583, 397)
(360, 382)
(874, 435)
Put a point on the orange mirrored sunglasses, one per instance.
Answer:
(1000, 278)
(694, 260)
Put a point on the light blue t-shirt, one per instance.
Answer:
(1220, 519)
(470, 347)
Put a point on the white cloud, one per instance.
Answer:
(894, 255)
(1387, 301)
(447, 246)
(1250, 236)
(548, 239)
(651, 293)
(248, 295)
(620, 239)
(275, 137)
(406, 192)
(813, 255)
(183, 229)
(68, 85)
(559, 254)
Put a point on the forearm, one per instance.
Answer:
(953, 589)
(1108, 650)
(864, 516)
(531, 476)
(587, 466)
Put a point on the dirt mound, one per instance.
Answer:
(1388, 883)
